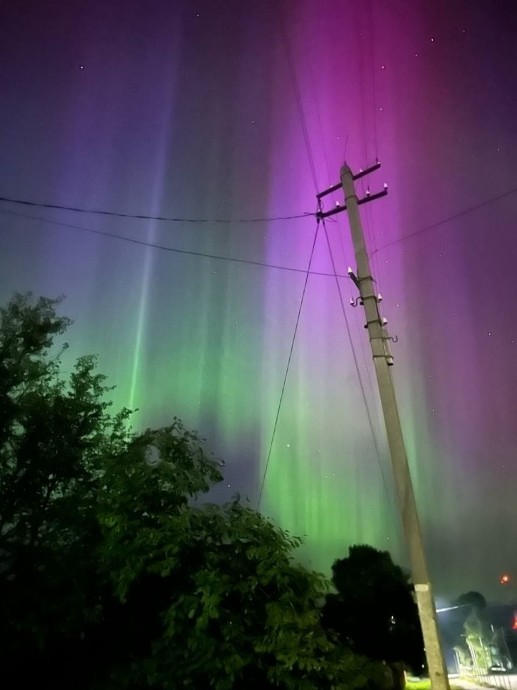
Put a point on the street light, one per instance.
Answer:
(450, 608)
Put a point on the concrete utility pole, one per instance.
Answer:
(383, 360)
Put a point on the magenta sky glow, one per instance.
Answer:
(244, 110)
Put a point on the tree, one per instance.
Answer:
(221, 580)
(54, 437)
(113, 574)
(373, 611)
(478, 645)
(475, 600)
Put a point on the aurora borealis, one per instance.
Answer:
(238, 110)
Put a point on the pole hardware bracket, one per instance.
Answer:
(320, 215)
(389, 359)
(379, 321)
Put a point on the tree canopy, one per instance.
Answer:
(373, 611)
(472, 599)
(113, 573)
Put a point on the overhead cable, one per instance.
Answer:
(166, 248)
(139, 216)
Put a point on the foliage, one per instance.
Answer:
(112, 573)
(54, 436)
(373, 611)
(479, 647)
(472, 599)
(224, 583)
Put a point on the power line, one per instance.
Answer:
(356, 364)
(448, 220)
(119, 214)
(123, 238)
(273, 434)
(299, 101)
(313, 83)
(373, 66)
(165, 248)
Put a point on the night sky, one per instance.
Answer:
(242, 110)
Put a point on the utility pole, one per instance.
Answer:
(379, 342)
